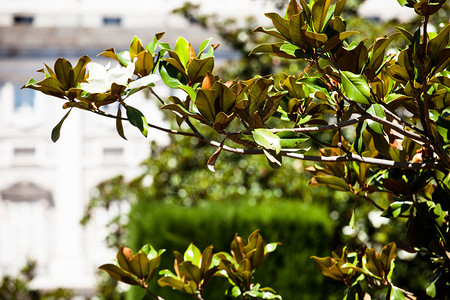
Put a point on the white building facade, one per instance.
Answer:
(45, 186)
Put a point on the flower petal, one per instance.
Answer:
(143, 81)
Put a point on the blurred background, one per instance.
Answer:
(66, 207)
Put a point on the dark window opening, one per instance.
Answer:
(112, 21)
(113, 152)
(24, 152)
(23, 20)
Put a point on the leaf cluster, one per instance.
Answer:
(194, 269)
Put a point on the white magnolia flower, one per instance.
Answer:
(143, 81)
(102, 77)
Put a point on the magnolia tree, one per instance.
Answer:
(381, 119)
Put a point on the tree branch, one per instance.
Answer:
(334, 159)
(327, 127)
(349, 157)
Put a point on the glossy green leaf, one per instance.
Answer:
(387, 256)
(144, 63)
(273, 49)
(119, 125)
(136, 47)
(355, 87)
(336, 40)
(319, 14)
(118, 274)
(397, 209)
(271, 32)
(290, 139)
(172, 282)
(281, 24)
(205, 102)
(358, 145)
(137, 119)
(376, 110)
(182, 49)
(79, 70)
(396, 294)
(314, 84)
(443, 127)
(203, 46)
(271, 247)
(267, 139)
(64, 73)
(140, 265)
(352, 220)
(193, 254)
(333, 182)
(293, 50)
(57, 129)
(431, 290)
(198, 68)
(274, 159)
(189, 271)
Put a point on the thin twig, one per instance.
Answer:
(327, 127)
(157, 97)
(257, 151)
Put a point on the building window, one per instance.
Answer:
(113, 155)
(23, 99)
(24, 152)
(112, 21)
(113, 152)
(24, 156)
(23, 20)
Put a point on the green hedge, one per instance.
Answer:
(303, 229)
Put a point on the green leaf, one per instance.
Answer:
(396, 294)
(352, 220)
(431, 289)
(396, 209)
(319, 13)
(290, 139)
(63, 74)
(79, 71)
(193, 254)
(271, 247)
(274, 49)
(281, 24)
(333, 182)
(135, 47)
(443, 127)
(140, 265)
(355, 87)
(198, 68)
(358, 145)
(274, 159)
(376, 110)
(137, 119)
(203, 46)
(267, 139)
(57, 129)
(119, 125)
(182, 49)
(315, 84)
(293, 50)
(118, 274)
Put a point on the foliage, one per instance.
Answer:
(386, 118)
(295, 223)
(18, 287)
